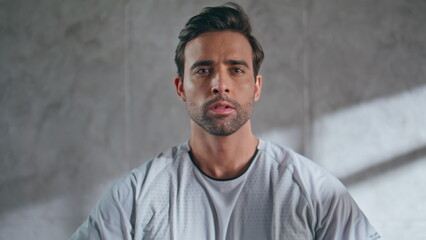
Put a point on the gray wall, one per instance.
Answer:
(86, 94)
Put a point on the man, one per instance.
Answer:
(224, 183)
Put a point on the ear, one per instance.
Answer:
(257, 88)
(179, 88)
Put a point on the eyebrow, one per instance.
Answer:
(210, 62)
(201, 63)
(237, 62)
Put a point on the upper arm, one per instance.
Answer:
(340, 217)
(112, 216)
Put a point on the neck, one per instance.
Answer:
(223, 157)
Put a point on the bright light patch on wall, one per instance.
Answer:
(371, 133)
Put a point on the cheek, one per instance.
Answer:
(196, 90)
(189, 87)
(193, 96)
(247, 88)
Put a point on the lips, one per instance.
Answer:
(221, 107)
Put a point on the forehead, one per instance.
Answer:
(218, 47)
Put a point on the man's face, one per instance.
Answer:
(219, 86)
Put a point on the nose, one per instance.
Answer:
(220, 83)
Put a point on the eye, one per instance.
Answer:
(237, 70)
(202, 71)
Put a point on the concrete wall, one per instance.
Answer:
(86, 94)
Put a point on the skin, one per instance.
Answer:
(219, 72)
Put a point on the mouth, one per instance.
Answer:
(222, 108)
(221, 105)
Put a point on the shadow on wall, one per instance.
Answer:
(384, 167)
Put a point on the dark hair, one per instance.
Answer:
(227, 17)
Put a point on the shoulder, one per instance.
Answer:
(336, 213)
(127, 191)
(113, 216)
(315, 183)
(151, 172)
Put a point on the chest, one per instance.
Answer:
(261, 209)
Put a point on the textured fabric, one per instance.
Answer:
(282, 195)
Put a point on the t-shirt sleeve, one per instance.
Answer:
(112, 216)
(339, 216)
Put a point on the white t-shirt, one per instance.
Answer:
(282, 195)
